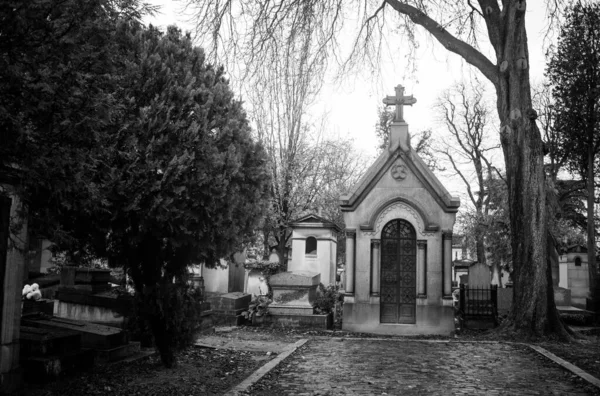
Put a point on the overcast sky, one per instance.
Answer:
(351, 106)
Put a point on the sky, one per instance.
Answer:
(351, 106)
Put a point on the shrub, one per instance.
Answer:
(258, 307)
(330, 300)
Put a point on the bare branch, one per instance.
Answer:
(451, 43)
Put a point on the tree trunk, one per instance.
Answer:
(533, 309)
(479, 242)
(281, 249)
(158, 323)
(591, 228)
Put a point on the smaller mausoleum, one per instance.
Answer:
(314, 247)
(574, 274)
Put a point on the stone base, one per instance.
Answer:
(295, 321)
(275, 309)
(430, 319)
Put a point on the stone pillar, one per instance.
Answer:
(12, 266)
(447, 263)
(376, 263)
(350, 256)
(421, 268)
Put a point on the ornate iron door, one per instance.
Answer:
(398, 272)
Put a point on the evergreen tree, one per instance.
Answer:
(574, 71)
(184, 181)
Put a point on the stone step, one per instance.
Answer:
(118, 353)
(42, 369)
(92, 335)
(41, 342)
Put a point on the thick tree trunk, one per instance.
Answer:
(533, 309)
(158, 324)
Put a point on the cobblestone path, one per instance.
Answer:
(400, 367)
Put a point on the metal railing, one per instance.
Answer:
(479, 301)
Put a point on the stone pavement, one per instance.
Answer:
(408, 367)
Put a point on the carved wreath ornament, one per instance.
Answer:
(399, 171)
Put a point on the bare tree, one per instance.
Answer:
(554, 144)
(306, 165)
(242, 30)
(466, 114)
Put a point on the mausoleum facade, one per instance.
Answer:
(399, 220)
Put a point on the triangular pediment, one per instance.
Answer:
(312, 220)
(398, 164)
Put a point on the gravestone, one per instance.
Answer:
(227, 308)
(399, 220)
(294, 297)
(479, 276)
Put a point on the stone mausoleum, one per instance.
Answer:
(399, 220)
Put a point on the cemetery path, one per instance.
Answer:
(338, 366)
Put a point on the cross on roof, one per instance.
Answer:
(399, 101)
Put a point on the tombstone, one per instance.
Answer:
(256, 284)
(399, 220)
(480, 276)
(13, 236)
(314, 247)
(294, 297)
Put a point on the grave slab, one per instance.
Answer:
(294, 293)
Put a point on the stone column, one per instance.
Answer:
(12, 268)
(447, 263)
(350, 256)
(376, 263)
(421, 268)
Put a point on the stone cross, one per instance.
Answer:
(399, 101)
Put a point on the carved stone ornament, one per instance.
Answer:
(399, 171)
(394, 211)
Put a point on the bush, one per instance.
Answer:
(330, 300)
(178, 305)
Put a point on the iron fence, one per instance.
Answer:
(479, 301)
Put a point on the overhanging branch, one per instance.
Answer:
(451, 43)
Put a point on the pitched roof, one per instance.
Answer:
(314, 220)
(369, 180)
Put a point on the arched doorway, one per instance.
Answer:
(398, 272)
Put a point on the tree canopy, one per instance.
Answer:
(132, 146)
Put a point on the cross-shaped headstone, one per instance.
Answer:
(399, 101)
